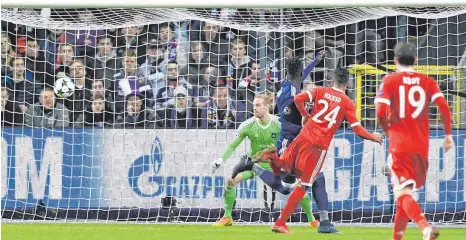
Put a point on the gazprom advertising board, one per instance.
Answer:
(118, 168)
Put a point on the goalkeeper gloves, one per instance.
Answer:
(215, 164)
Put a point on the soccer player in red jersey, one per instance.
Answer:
(305, 156)
(403, 113)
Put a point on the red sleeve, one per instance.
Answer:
(300, 101)
(383, 95)
(439, 99)
(434, 89)
(350, 116)
(382, 102)
(382, 116)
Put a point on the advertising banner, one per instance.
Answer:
(119, 168)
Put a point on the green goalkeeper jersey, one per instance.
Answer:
(261, 135)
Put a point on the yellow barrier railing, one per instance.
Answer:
(359, 70)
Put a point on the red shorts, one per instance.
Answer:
(303, 159)
(408, 168)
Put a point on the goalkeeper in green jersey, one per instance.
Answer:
(263, 130)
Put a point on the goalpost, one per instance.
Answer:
(158, 170)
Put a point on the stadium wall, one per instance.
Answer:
(92, 170)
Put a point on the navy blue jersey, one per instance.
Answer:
(289, 114)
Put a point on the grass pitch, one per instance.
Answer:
(75, 231)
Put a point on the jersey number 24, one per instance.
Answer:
(330, 117)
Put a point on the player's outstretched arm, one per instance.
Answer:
(363, 133)
(442, 104)
(230, 148)
(358, 129)
(320, 55)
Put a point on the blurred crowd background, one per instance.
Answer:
(190, 74)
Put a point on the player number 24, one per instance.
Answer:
(329, 117)
(418, 104)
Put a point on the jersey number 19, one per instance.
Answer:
(418, 104)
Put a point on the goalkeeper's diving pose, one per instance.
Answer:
(290, 128)
(263, 130)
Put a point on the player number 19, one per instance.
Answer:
(330, 117)
(418, 104)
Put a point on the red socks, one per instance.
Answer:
(412, 211)
(401, 222)
(291, 205)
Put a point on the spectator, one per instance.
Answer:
(84, 40)
(214, 44)
(210, 79)
(63, 62)
(315, 41)
(47, 112)
(50, 44)
(165, 95)
(221, 111)
(176, 49)
(182, 115)
(166, 33)
(131, 82)
(252, 84)
(122, 84)
(105, 64)
(273, 102)
(35, 60)
(130, 41)
(369, 42)
(96, 114)
(212, 74)
(135, 114)
(7, 53)
(99, 91)
(80, 99)
(289, 52)
(11, 114)
(155, 66)
(196, 64)
(238, 68)
(20, 82)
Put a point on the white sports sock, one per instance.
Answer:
(426, 233)
(323, 215)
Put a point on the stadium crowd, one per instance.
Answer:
(188, 74)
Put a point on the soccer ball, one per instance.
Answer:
(64, 87)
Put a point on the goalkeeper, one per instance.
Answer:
(263, 130)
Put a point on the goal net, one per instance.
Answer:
(158, 94)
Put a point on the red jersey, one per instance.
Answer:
(408, 95)
(331, 107)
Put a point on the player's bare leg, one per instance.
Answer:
(230, 197)
(408, 208)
